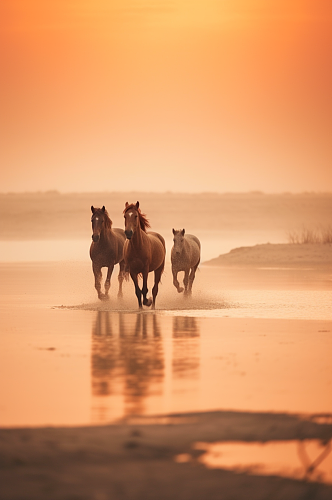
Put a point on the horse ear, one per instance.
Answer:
(92, 209)
(103, 208)
(126, 204)
(182, 232)
(173, 231)
(137, 204)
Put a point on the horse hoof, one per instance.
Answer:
(180, 289)
(104, 297)
(148, 302)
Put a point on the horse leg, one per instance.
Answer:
(186, 281)
(146, 302)
(98, 277)
(121, 277)
(108, 280)
(137, 289)
(191, 278)
(157, 276)
(175, 281)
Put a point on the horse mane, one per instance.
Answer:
(143, 221)
(108, 221)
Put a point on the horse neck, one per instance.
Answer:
(137, 237)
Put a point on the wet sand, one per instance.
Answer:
(152, 459)
(96, 392)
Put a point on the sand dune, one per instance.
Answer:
(277, 255)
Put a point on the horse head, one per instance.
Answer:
(98, 220)
(131, 217)
(134, 219)
(178, 240)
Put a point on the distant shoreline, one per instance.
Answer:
(245, 219)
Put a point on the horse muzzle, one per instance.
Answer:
(129, 233)
(95, 238)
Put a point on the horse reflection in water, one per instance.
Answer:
(104, 354)
(127, 363)
(186, 348)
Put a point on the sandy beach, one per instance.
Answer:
(102, 401)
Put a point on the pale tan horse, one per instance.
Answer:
(185, 256)
(143, 252)
(106, 250)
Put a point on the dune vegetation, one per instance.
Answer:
(310, 236)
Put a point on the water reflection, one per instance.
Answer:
(143, 360)
(308, 459)
(103, 355)
(143, 364)
(186, 352)
(127, 363)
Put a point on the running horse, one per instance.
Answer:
(106, 250)
(185, 256)
(143, 252)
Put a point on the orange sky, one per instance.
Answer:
(180, 95)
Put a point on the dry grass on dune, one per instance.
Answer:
(310, 236)
(310, 248)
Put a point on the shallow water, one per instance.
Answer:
(307, 459)
(247, 340)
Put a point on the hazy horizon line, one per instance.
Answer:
(252, 191)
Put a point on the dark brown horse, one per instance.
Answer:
(143, 253)
(106, 250)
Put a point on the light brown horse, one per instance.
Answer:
(185, 256)
(106, 250)
(143, 253)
